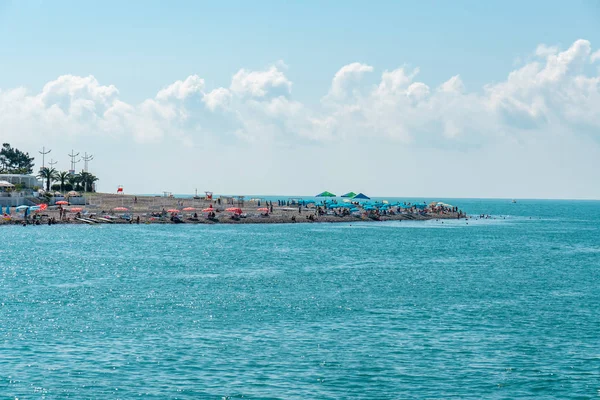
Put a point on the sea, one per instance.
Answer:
(503, 307)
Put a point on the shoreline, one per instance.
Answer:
(104, 208)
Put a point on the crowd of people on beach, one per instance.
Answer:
(251, 211)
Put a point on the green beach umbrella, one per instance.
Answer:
(325, 194)
(349, 194)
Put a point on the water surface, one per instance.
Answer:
(496, 308)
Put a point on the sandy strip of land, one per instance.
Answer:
(100, 207)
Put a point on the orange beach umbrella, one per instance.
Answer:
(189, 209)
(121, 209)
(173, 210)
(235, 210)
(76, 209)
(62, 203)
(264, 209)
(208, 209)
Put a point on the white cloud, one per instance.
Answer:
(180, 90)
(554, 91)
(453, 85)
(219, 97)
(347, 75)
(543, 50)
(260, 83)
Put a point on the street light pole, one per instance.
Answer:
(43, 153)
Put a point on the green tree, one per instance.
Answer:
(75, 180)
(14, 161)
(62, 177)
(49, 174)
(87, 181)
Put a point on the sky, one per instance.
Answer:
(495, 99)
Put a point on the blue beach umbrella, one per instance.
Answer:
(22, 208)
(361, 196)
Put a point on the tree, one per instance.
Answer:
(62, 177)
(75, 180)
(14, 161)
(87, 181)
(49, 174)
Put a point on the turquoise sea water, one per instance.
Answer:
(499, 308)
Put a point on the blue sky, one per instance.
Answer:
(288, 54)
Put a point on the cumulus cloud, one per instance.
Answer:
(260, 83)
(182, 89)
(217, 98)
(346, 76)
(554, 90)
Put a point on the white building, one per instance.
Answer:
(29, 181)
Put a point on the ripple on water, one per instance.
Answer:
(498, 308)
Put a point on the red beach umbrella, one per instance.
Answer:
(76, 209)
(173, 210)
(43, 206)
(210, 209)
(264, 209)
(189, 209)
(62, 203)
(120, 209)
(235, 210)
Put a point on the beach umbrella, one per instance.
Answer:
(22, 208)
(189, 209)
(173, 210)
(235, 210)
(349, 194)
(209, 209)
(361, 196)
(264, 209)
(325, 194)
(120, 209)
(62, 202)
(43, 206)
(76, 209)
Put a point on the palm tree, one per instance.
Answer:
(62, 177)
(87, 181)
(74, 179)
(49, 174)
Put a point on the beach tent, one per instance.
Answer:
(349, 194)
(325, 194)
(361, 197)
